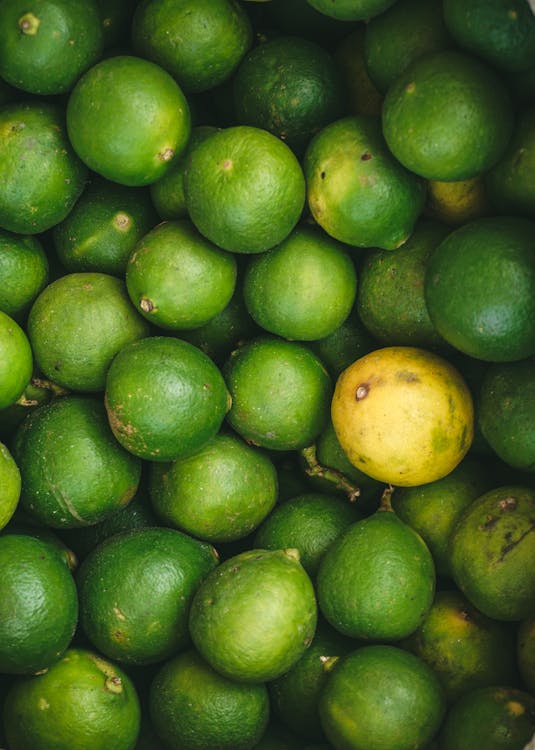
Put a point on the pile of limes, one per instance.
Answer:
(267, 374)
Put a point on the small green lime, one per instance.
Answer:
(24, 272)
(16, 361)
(351, 10)
(10, 484)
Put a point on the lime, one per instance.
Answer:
(38, 605)
(377, 579)
(254, 615)
(105, 126)
(221, 493)
(357, 192)
(381, 698)
(304, 288)
(447, 116)
(280, 393)
(526, 652)
(193, 707)
(361, 94)
(77, 325)
(403, 415)
(135, 591)
(24, 272)
(10, 484)
(200, 42)
(16, 361)
(41, 175)
(458, 202)
(177, 279)
(83, 702)
(244, 188)
(47, 44)
(169, 412)
(74, 473)
(468, 286)
(351, 10)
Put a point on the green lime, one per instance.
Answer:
(288, 85)
(362, 96)
(105, 126)
(200, 42)
(20, 524)
(502, 34)
(244, 188)
(38, 605)
(77, 325)
(47, 44)
(433, 509)
(447, 117)
(357, 192)
(310, 523)
(135, 591)
(468, 285)
(74, 473)
(390, 300)
(177, 279)
(351, 10)
(299, 18)
(265, 366)
(377, 579)
(403, 33)
(193, 707)
(24, 272)
(465, 649)
(492, 552)
(496, 718)
(16, 361)
(10, 484)
(254, 615)
(526, 652)
(221, 493)
(103, 227)
(83, 702)
(169, 412)
(381, 698)
(42, 177)
(458, 202)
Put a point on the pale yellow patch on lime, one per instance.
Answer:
(403, 415)
(455, 203)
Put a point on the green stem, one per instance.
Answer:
(315, 469)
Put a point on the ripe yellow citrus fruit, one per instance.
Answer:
(403, 415)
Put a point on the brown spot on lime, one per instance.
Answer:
(29, 24)
(114, 685)
(366, 156)
(122, 220)
(489, 522)
(146, 305)
(513, 15)
(508, 503)
(406, 376)
(228, 163)
(362, 391)
(515, 708)
(167, 154)
(410, 88)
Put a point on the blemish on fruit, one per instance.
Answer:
(43, 704)
(410, 88)
(362, 391)
(508, 503)
(121, 220)
(167, 154)
(146, 305)
(366, 156)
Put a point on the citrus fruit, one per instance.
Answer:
(361, 94)
(105, 126)
(304, 288)
(433, 509)
(403, 415)
(103, 227)
(24, 272)
(244, 189)
(403, 33)
(381, 698)
(22, 525)
(221, 493)
(199, 42)
(502, 34)
(447, 116)
(465, 649)
(193, 707)
(492, 552)
(83, 702)
(165, 413)
(280, 393)
(74, 473)
(356, 191)
(47, 44)
(38, 605)
(377, 579)
(42, 177)
(135, 591)
(298, 17)
(310, 522)
(167, 193)
(526, 652)
(254, 615)
(468, 286)
(289, 86)
(10, 484)
(390, 300)
(77, 325)
(496, 718)
(177, 279)
(510, 183)
(351, 10)
(16, 360)
(456, 203)
(505, 408)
